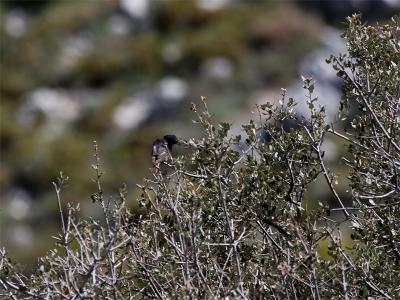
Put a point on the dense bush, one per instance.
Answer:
(228, 218)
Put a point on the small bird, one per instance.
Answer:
(161, 149)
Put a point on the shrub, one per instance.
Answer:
(228, 218)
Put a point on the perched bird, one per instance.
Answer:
(161, 149)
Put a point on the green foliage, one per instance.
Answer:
(227, 220)
(97, 58)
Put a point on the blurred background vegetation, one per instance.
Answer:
(124, 73)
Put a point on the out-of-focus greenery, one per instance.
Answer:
(72, 48)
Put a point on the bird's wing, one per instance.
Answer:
(159, 152)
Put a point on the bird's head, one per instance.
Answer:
(171, 140)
